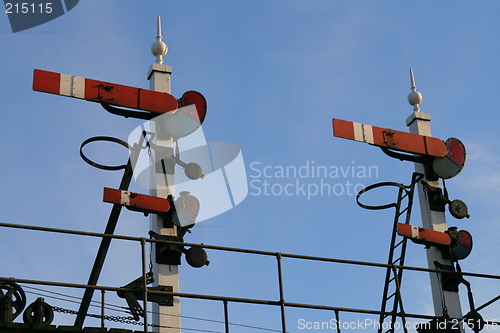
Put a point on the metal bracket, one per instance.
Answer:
(167, 254)
(473, 319)
(128, 113)
(167, 164)
(425, 160)
(132, 296)
(449, 280)
(437, 200)
(407, 157)
(137, 293)
(389, 138)
(164, 300)
(105, 88)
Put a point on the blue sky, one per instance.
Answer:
(274, 75)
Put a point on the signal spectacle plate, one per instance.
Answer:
(452, 163)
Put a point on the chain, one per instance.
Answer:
(120, 319)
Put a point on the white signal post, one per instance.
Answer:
(167, 317)
(444, 301)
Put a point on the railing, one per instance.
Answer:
(224, 299)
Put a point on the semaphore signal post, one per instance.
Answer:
(446, 302)
(171, 216)
(162, 185)
(434, 159)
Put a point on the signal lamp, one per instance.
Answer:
(461, 243)
(187, 208)
(197, 257)
(189, 117)
(193, 171)
(194, 97)
(458, 209)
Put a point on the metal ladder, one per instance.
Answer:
(397, 254)
(397, 251)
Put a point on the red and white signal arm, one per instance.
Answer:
(449, 156)
(388, 138)
(103, 92)
(423, 235)
(136, 201)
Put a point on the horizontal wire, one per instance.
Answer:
(75, 297)
(123, 309)
(76, 302)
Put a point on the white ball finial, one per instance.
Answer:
(414, 98)
(159, 48)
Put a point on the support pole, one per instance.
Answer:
(166, 318)
(103, 299)
(282, 292)
(106, 241)
(226, 317)
(144, 285)
(446, 303)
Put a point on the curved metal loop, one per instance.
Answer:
(371, 187)
(416, 177)
(100, 166)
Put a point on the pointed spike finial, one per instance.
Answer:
(414, 98)
(159, 48)
(413, 87)
(159, 27)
